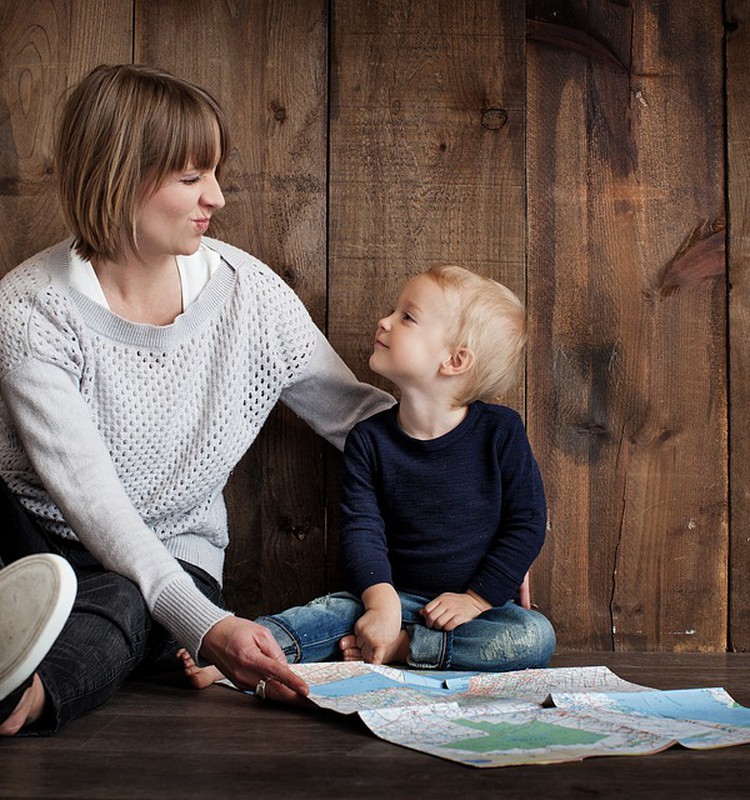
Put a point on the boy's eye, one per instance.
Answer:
(407, 317)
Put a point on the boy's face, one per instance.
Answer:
(414, 340)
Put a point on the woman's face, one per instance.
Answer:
(172, 219)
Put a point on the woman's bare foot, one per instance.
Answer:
(199, 677)
(28, 710)
(397, 653)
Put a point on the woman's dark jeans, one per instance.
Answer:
(109, 634)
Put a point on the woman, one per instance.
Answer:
(138, 361)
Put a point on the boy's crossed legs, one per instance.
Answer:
(505, 638)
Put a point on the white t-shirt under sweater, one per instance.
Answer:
(126, 433)
(195, 272)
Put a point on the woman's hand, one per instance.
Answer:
(449, 610)
(246, 652)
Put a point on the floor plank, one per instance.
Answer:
(159, 740)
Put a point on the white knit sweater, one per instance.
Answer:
(123, 435)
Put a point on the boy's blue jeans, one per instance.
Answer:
(505, 638)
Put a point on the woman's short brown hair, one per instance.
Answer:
(123, 130)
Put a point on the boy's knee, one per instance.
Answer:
(541, 635)
(529, 643)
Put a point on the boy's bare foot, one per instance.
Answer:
(28, 710)
(397, 653)
(199, 677)
(349, 649)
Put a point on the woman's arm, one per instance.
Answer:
(68, 454)
(328, 396)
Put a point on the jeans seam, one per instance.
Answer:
(291, 633)
(442, 660)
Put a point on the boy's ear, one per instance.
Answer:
(458, 362)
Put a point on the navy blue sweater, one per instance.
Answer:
(463, 511)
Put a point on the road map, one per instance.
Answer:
(529, 717)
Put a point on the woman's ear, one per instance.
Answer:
(459, 362)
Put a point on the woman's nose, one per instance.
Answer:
(212, 195)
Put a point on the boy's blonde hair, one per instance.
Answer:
(123, 130)
(491, 325)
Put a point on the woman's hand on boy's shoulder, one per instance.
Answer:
(450, 609)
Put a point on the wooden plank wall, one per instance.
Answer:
(738, 151)
(579, 151)
(627, 377)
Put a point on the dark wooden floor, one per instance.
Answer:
(157, 740)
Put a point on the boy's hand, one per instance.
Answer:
(378, 628)
(524, 592)
(448, 610)
(376, 632)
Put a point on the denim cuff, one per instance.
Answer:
(429, 649)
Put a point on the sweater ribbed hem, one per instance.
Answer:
(187, 614)
(199, 552)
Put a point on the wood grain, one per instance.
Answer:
(627, 384)
(266, 63)
(738, 150)
(159, 741)
(44, 49)
(426, 152)
(600, 146)
(426, 155)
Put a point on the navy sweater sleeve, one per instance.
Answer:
(363, 541)
(523, 522)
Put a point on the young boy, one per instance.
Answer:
(443, 504)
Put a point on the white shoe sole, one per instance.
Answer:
(36, 596)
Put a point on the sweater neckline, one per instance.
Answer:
(140, 334)
(446, 440)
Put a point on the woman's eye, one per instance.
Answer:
(191, 181)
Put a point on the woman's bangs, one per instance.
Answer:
(203, 145)
(192, 135)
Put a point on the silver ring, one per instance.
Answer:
(260, 689)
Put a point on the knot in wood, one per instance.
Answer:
(494, 118)
(279, 112)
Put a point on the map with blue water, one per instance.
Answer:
(528, 717)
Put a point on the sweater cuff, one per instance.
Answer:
(187, 614)
(364, 576)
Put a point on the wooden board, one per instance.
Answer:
(627, 379)
(622, 118)
(426, 149)
(266, 63)
(738, 151)
(45, 49)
